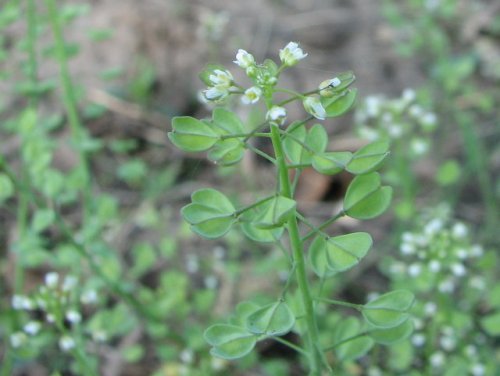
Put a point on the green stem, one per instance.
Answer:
(312, 336)
(292, 346)
(69, 99)
(357, 307)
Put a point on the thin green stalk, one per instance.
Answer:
(357, 307)
(69, 99)
(316, 363)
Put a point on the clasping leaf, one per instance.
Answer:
(354, 348)
(366, 198)
(272, 320)
(389, 310)
(369, 157)
(339, 104)
(210, 214)
(192, 135)
(276, 213)
(229, 341)
(331, 163)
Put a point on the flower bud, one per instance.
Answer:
(244, 59)
(313, 106)
(291, 54)
(252, 95)
(276, 115)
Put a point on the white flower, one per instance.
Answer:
(215, 93)
(70, 281)
(73, 316)
(18, 339)
(186, 356)
(459, 230)
(276, 115)
(418, 339)
(408, 237)
(433, 226)
(416, 111)
(314, 107)
(407, 248)
(446, 286)
(50, 318)
(88, 297)
(409, 95)
(395, 130)
(478, 369)
(244, 59)
(430, 308)
(429, 118)
(434, 266)
(192, 263)
(458, 269)
(51, 279)
(291, 54)
(447, 343)
(414, 270)
(470, 351)
(221, 78)
(252, 95)
(66, 343)
(32, 328)
(211, 282)
(419, 146)
(326, 86)
(476, 250)
(21, 302)
(437, 359)
(461, 253)
(372, 106)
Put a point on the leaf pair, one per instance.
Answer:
(211, 215)
(252, 323)
(329, 256)
(193, 135)
(366, 198)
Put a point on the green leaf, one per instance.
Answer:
(42, 219)
(210, 214)
(227, 152)
(342, 252)
(192, 135)
(339, 104)
(229, 341)
(369, 157)
(491, 324)
(227, 121)
(389, 310)
(273, 320)
(300, 145)
(261, 235)
(331, 163)
(6, 188)
(392, 335)
(365, 198)
(276, 213)
(242, 311)
(351, 349)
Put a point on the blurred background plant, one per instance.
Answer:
(99, 201)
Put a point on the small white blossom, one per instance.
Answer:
(73, 316)
(69, 283)
(88, 297)
(429, 118)
(459, 230)
(313, 106)
(276, 115)
(448, 343)
(215, 93)
(372, 106)
(325, 87)
(186, 356)
(291, 54)
(252, 95)
(99, 335)
(409, 95)
(437, 359)
(433, 226)
(418, 339)
(408, 237)
(192, 263)
(478, 369)
(50, 318)
(211, 282)
(221, 78)
(398, 268)
(18, 339)
(419, 146)
(446, 286)
(430, 308)
(462, 253)
(471, 351)
(416, 111)
(51, 279)
(407, 249)
(476, 250)
(244, 59)
(414, 270)
(458, 269)
(418, 323)
(66, 343)
(395, 130)
(21, 302)
(434, 266)
(32, 328)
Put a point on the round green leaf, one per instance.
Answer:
(227, 122)
(192, 135)
(392, 335)
(261, 235)
(210, 214)
(389, 310)
(273, 320)
(317, 139)
(339, 104)
(365, 198)
(242, 311)
(227, 152)
(229, 341)
(369, 157)
(331, 163)
(6, 187)
(354, 348)
(293, 145)
(318, 258)
(276, 213)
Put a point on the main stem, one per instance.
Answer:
(315, 358)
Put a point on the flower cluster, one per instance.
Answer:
(440, 263)
(401, 119)
(55, 308)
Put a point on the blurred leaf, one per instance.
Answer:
(389, 310)
(229, 341)
(275, 319)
